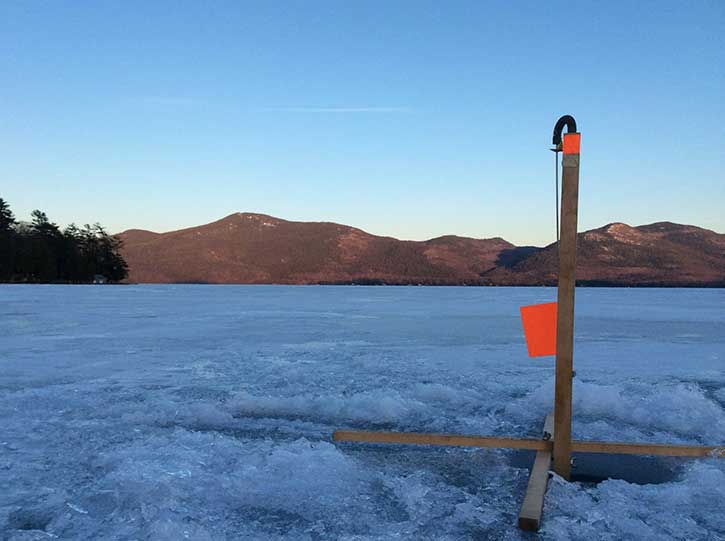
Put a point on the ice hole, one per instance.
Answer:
(594, 468)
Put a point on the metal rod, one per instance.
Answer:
(556, 193)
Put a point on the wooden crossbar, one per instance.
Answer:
(441, 439)
(578, 446)
(658, 449)
(533, 505)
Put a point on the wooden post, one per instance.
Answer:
(565, 310)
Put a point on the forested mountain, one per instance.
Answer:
(659, 254)
(256, 248)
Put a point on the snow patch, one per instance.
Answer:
(368, 407)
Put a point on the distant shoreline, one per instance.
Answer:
(348, 284)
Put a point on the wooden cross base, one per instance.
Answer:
(533, 504)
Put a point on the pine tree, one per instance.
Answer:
(8, 242)
(7, 219)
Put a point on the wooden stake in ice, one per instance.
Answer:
(562, 445)
(565, 308)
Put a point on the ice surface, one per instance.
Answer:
(205, 412)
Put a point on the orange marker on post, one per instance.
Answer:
(571, 143)
(539, 321)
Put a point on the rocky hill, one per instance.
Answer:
(248, 248)
(660, 254)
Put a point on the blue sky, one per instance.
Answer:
(410, 119)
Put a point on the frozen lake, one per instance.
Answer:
(206, 412)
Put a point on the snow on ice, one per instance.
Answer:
(206, 412)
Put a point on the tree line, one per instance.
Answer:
(40, 252)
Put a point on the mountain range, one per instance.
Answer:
(248, 248)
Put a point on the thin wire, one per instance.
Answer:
(556, 167)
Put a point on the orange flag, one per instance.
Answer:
(539, 322)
